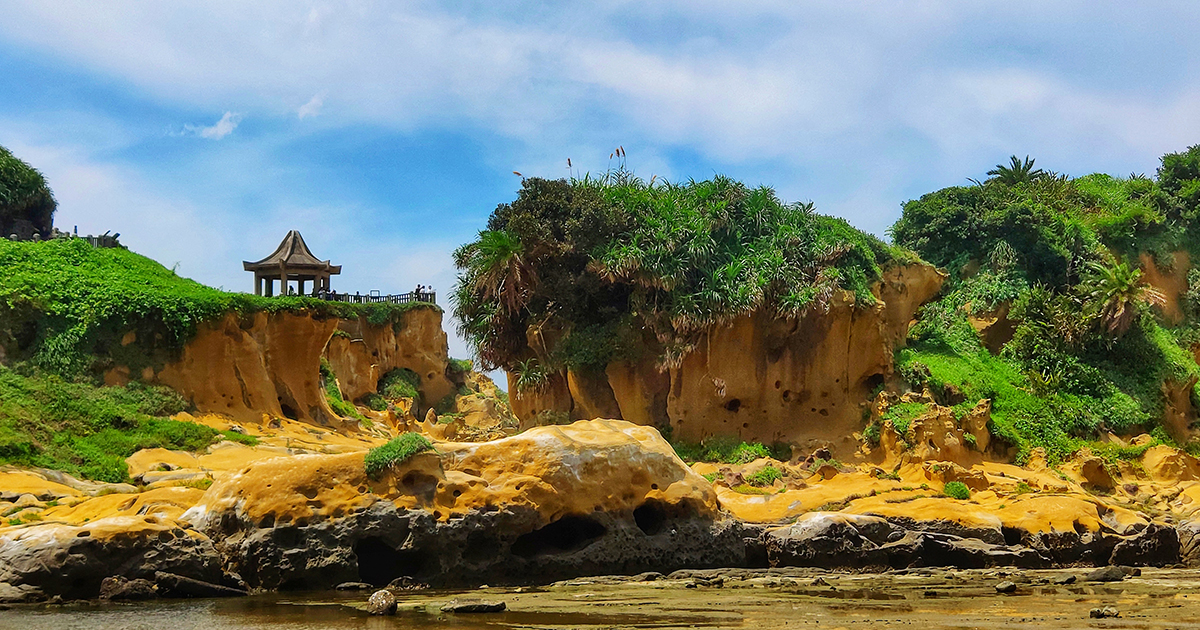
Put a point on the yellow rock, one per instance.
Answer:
(149, 459)
(165, 503)
(17, 483)
(604, 465)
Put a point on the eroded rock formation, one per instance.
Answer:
(760, 378)
(595, 497)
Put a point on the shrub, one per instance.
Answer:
(957, 490)
(459, 366)
(375, 402)
(380, 459)
(24, 195)
(400, 383)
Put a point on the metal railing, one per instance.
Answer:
(375, 298)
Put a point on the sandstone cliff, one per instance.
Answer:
(269, 363)
(759, 378)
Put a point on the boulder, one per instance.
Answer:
(382, 603)
(1106, 574)
(118, 588)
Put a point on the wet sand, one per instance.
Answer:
(923, 599)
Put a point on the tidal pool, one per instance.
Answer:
(793, 598)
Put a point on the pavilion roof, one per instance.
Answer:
(292, 253)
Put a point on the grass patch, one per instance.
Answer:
(729, 450)
(240, 438)
(902, 414)
(86, 430)
(765, 476)
(383, 458)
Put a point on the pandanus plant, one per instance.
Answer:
(1117, 292)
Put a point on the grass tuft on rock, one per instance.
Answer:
(399, 450)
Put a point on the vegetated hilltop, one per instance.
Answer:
(599, 296)
(1072, 304)
(74, 318)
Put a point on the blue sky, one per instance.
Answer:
(387, 132)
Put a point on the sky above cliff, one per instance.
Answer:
(387, 132)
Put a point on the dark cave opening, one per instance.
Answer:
(568, 533)
(379, 563)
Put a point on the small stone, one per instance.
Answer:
(1065, 579)
(353, 586)
(820, 581)
(382, 603)
(1108, 612)
(1006, 587)
(1105, 574)
(473, 606)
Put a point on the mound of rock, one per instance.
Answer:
(594, 497)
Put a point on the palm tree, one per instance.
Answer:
(499, 269)
(1017, 173)
(1117, 292)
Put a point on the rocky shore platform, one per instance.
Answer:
(557, 503)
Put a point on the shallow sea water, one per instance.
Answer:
(929, 600)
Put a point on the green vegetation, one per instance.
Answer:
(400, 383)
(333, 395)
(727, 450)
(87, 430)
(66, 307)
(24, 195)
(902, 414)
(383, 458)
(957, 490)
(618, 268)
(459, 366)
(1089, 353)
(765, 476)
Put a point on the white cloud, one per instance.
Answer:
(312, 107)
(222, 128)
